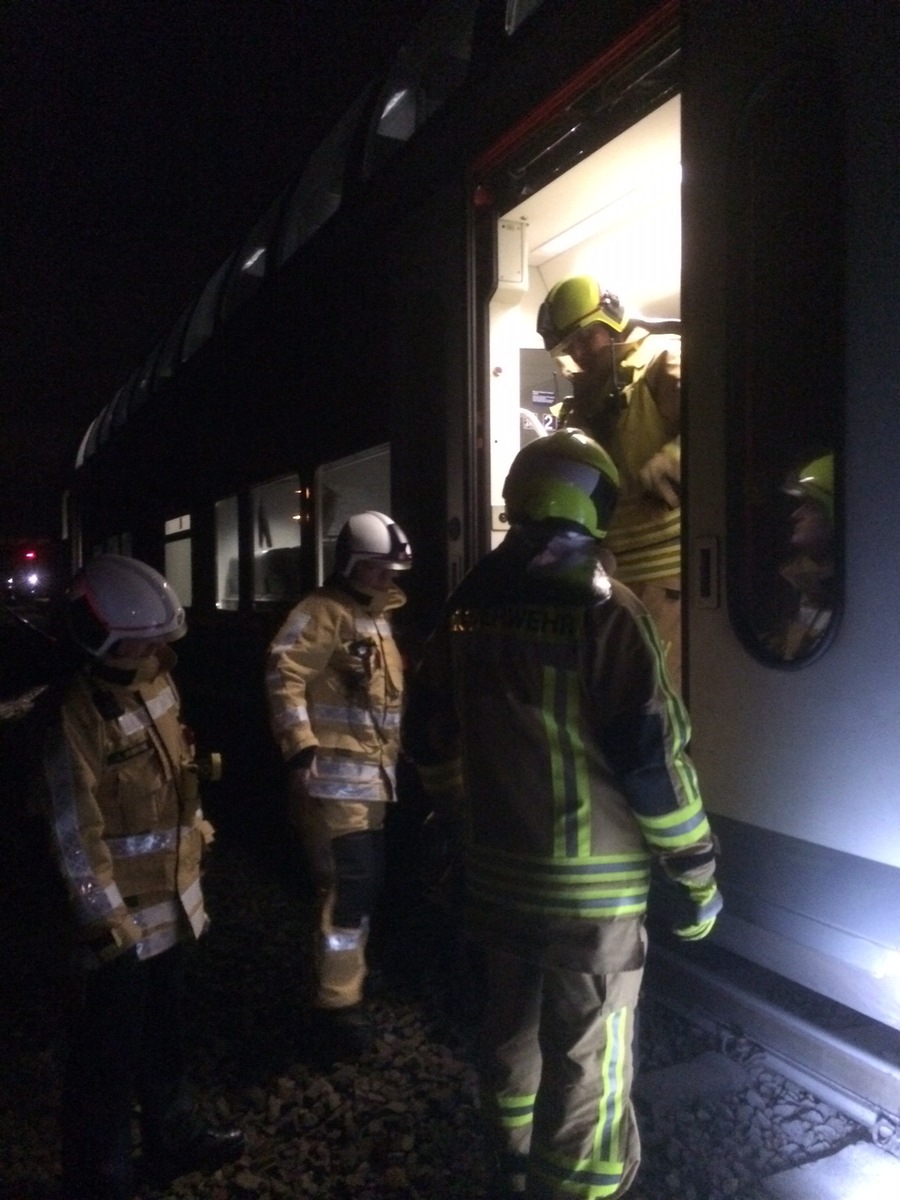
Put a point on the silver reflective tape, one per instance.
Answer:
(344, 768)
(164, 913)
(95, 900)
(292, 717)
(336, 940)
(137, 844)
(336, 714)
(154, 708)
(156, 943)
(289, 632)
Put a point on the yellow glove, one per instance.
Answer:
(661, 476)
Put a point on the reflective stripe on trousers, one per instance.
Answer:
(556, 1075)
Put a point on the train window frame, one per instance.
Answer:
(785, 576)
(227, 544)
(276, 508)
(178, 551)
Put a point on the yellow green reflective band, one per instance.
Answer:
(592, 896)
(678, 829)
(568, 763)
(515, 1111)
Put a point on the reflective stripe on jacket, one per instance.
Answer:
(123, 809)
(548, 684)
(335, 683)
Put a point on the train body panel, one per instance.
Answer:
(750, 191)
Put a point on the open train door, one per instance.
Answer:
(790, 310)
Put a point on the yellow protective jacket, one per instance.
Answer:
(335, 684)
(644, 533)
(125, 820)
(542, 714)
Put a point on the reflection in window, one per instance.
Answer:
(344, 487)
(227, 590)
(798, 613)
(277, 574)
(786, 366)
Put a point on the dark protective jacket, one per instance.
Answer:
(543, 716)
(123, 807)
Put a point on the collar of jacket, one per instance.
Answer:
(371, 601)
(123, 672)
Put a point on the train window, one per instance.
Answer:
(518, 11)
(344, 487)
(785, 342)
(317, 194)
(178, 557)
(170, 354)
(427, 71)
(250, 264)
(202, 322)
(277, 577)
(227, 584)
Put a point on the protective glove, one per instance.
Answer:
(704, 903)
(305, 815)
(661, 476)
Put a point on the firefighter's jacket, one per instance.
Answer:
(335, 685)
(542, 715)
(644, 533)
(123, 806)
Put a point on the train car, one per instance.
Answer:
(373, 343)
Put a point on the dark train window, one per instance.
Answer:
(203, 319)
(518, 11)
(786, 368)
(427, 71)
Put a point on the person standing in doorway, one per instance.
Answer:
(625, 375)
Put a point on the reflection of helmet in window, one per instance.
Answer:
(566, 476)
(372, 537)
(574, 304)
(114, 597)
(815, 481)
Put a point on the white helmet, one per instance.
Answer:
(113, 597)
(372, 537)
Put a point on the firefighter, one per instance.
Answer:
(810, 570)
(128, 834)
(335, 688)
(552, 743)
(626, 393)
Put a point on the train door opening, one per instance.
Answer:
(615, 216)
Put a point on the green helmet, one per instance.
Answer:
(573, 304)
(815, 481)
(565, 476)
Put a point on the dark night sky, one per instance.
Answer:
(140, 140)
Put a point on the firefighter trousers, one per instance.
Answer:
(556, 1074)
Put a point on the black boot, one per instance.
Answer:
(191, 1147)
(341, 1034)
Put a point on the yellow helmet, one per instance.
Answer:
(566, 476)
(815, 481)
(573, 304)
